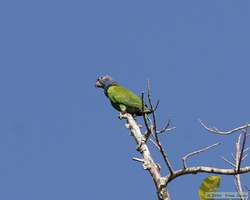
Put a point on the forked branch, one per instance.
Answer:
(184, 158)
(217, 131)
(153, 135)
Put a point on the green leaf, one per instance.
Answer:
(209, 184)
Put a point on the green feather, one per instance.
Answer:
(125, 100)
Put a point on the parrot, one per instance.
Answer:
(121, 98)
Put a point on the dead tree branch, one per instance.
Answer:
(238, 158)
(154, 169)
(149, 130)
(217, 131)
(229, 162)
(204, 169)
(153, 134)
(148, 162)
(184, 158)
(239, 151)
(157, 140)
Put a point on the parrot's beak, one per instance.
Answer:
(98, 84)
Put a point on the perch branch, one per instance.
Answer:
(148, 162)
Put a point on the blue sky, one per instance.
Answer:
(61, 139)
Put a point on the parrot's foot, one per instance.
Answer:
(121, 115)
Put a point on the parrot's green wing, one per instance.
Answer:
(121, 97)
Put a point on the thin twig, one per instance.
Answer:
(236, 184)
(239, 151)
(243, 158)
(161, 149)
(242, 148)
(156, 106)
(217, 131)
(237, 180)
(166, 128)
(148, 133)
(246, 149)
(151, 106)
(233, 157)
(184, 158)
(155, 144)
(138, 159)
(229, 162)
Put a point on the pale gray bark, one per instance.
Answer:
(161, 182)
(148, 162)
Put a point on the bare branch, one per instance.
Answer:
(246, 150)
(243, 158)
(233, 157)
(151, 106)
(238, 185)
(239, 151)
(156, 106)
(148, 133)
(184, 158)
(138, 159)
(156, 145)
(161, 149)
(242, 148)
(166, 128)
(204, 169)
(164, 155)
(153, 135)
(148, 162)
(217, 131)
(229, 162)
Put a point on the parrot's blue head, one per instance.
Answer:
(104, 82)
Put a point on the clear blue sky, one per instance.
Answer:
(59, 136)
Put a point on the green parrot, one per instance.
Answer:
(120, 97)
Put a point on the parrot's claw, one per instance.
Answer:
(122, 115)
